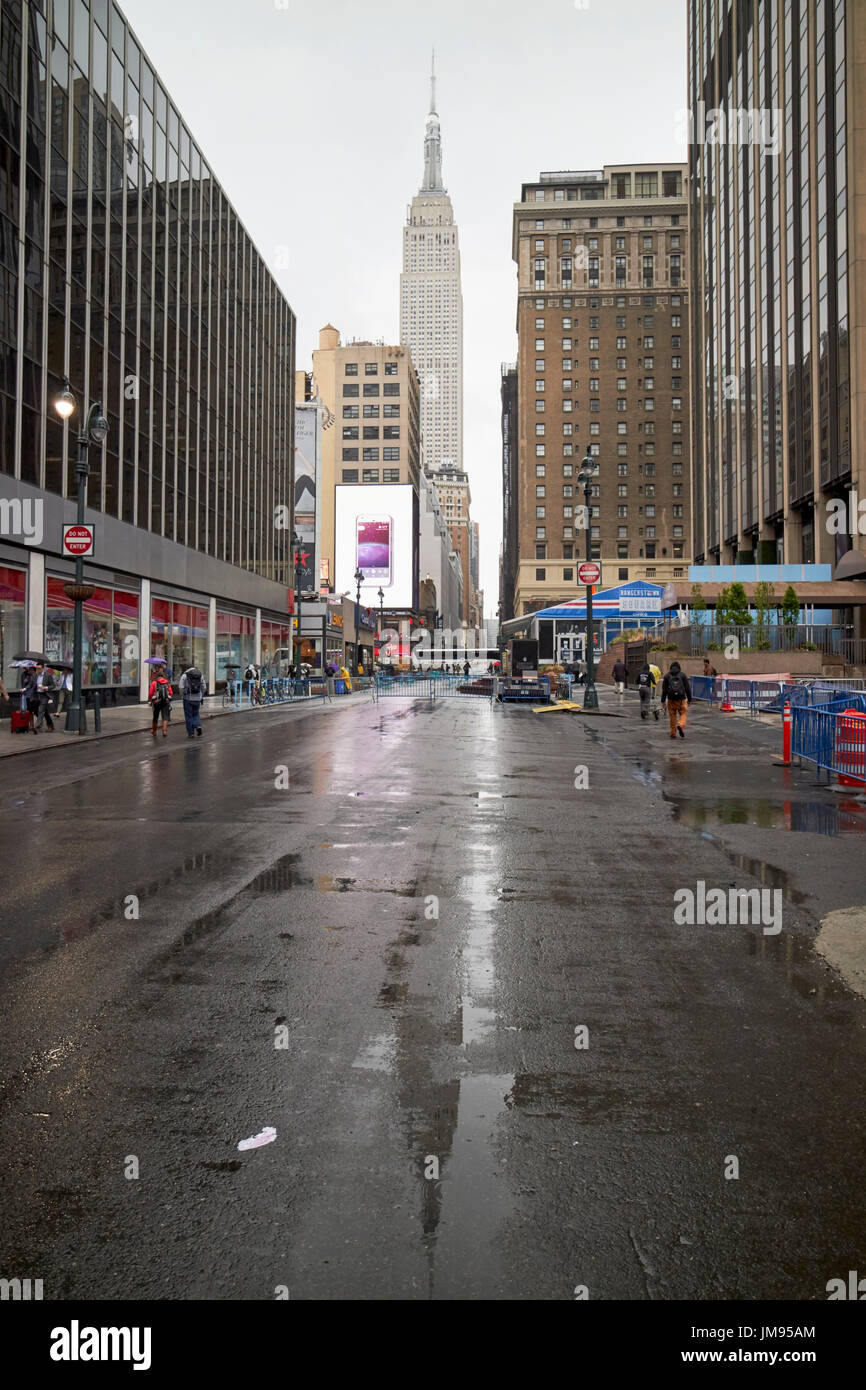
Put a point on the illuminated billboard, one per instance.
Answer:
(375, 530)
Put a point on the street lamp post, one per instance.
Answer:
(359, 579)
(588, 470)
(93, 430)
(299, 569)
(381, 597)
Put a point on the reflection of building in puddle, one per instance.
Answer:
(843, 817)
(799, 964)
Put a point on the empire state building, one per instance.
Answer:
(431, 307)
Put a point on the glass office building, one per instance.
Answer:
(776, 145)
(124, 268)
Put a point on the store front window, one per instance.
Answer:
(110, 634)
(236, 641)
(13, 623)
(178, 632)
(276, 638)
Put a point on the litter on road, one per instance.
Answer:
(266, 1136)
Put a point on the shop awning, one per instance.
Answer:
(639, 599)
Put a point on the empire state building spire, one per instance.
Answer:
(433, 144)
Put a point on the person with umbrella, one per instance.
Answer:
(44, 685)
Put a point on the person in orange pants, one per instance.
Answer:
(677, 696)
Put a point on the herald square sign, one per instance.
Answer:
(78, 539)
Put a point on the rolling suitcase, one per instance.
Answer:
(19, 722)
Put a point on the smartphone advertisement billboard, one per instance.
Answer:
(375, 531)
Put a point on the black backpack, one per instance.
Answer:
(193, 682)
(676, 688)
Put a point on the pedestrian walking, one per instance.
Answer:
(160, 694)
(466, 670)
(193, 688)
(645, 687)
(657, 681)
(44, 685)
(709, 670)
(677, 696)
(28, 698)
(64, 699)
(620, 675)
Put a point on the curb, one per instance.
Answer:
(84, 741)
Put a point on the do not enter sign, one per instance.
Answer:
(77, 540)
(588, 573)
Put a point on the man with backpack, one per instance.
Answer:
(645, 686)
(677, 695)
(193, 688)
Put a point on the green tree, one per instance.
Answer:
(699, 603)
(738, 607)
(790, 611)
(723, 606)
(764, 595)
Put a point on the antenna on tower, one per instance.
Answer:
(433, 82)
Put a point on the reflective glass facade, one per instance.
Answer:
(771, 370)
(124, 267)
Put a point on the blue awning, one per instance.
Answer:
(639, 599)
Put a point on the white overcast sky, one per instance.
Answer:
(311, 114)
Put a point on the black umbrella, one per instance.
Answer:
(31, 656)
(60, 665)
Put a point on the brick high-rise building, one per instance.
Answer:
(603, 352)
(371, 389)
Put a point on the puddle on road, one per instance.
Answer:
(475, 1196)
(842, 817)
(377, 1054)
(801, 967)
(112, 911)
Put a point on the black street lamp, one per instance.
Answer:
(94, 430)
(299, 570)
(588, 471)
(358, 577)
(381, 598)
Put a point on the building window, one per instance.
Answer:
(350, 431)
(594, 426)
(539, 345)
(539, 429)
(539, 323)
(389, 432)
(541, 575)
(371, 431)
(539, 533)
(677, 403)
(540, 470)
(540, 450)
(390, 368)
(391, 455)
(539, 385)
(539, 513)
(567, 427)
(351, 369)
(541, 552)
(391, 412)
(391, 388)
(369, 475)
(620, 344)
(539, 246)
(351, 389)
(371, 412)
(350, 455)
(371, 389)
(350, 475)
(622, 405)
(568, 576)
(371, 368)
(371, 456)
(540, 489)
(539, 407)
(350, 412)
(568, 468)
(390, 475)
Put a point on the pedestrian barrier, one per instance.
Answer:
(536, 691)
(770, 697)
(829, 737)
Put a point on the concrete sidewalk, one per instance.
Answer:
(118, 720)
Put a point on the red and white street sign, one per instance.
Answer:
(588, 573)
(78, 540)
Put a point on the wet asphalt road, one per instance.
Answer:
(424, 917)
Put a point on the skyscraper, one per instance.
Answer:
(777, 155)
(431, 307)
